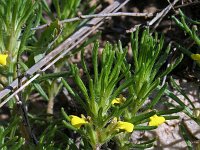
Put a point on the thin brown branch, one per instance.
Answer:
(163, 14)
(185, 5)
(158, 18)
(81, 17)
(188, 4)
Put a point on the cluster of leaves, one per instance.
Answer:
(113, 95)
(18, 19)
(112, 77)
(185, 24)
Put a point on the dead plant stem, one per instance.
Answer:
(81, 17)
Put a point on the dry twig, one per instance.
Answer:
(187, 4)
(80, 17)
(158, 18)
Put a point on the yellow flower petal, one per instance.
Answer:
(116, 101)
(195, 57)
(77, 121)
(3, 58)
(119, 100)
(156, 120)
(127, 126)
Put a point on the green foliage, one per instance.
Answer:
(15, 15)
(186, 137)
(148, 59)
(112, 93)
(52, 36)
(182, 23)
(185, 24)
(112, 76)
(16, 18)
(8, 140)
(191, 110)
(63, 10)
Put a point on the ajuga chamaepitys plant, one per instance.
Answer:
(114, 93)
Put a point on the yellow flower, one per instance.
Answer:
(119, 100)
(195, 57)
(156, 120)
(3, 58)
(127, 126)
(77, 121)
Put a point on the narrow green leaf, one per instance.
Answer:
(178, 22)
(186, 137)
(92, 95)
(19, 144)
(182, 92)
(172, 66)
(144, 128)
(69, 126)
(38, 87)
(9, 142)
(134, 47)
(65, 114)
(195, 36)
(141, 117)
(171, 117)
(38, 15)
(186, 28)
(157, 97)
(57, 6)
(144, 145)
(74, 94)
(143, 90)
(53, 76)
(186, 109)
(162, 59)
(84, 65)
(152, 87)
(45, 6)
(123, 86)
(184, 50)
(13, 124)
(170, 111)
(25, 35)
(81, 85)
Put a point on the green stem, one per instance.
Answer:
(50, 105)
(11, 70)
